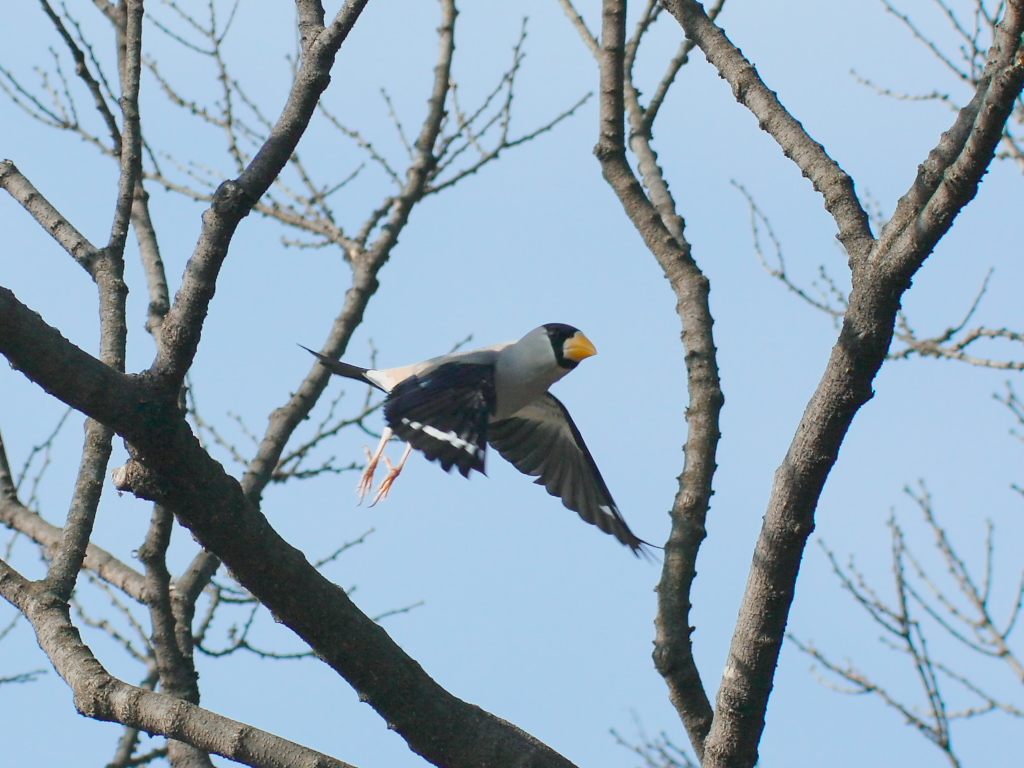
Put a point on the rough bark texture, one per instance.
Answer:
(170, 467)
(103, 697)
(662, 231)
(881, 273)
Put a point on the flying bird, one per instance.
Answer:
(451, 407)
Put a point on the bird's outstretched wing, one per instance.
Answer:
(444, 412)
(541, 440)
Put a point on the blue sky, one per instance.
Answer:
(527, 612)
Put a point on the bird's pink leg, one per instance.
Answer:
(393, 473)
(372, 459)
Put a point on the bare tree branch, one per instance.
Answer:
(174, 664)
(957, 606)
(966, 64)
(129, 150)
(581, 27)
(834, 303)
(828, 295)
(69, 238)
(70, 551)
(950, 175)
(234, 199)
(169, 467)
(101, 696)
(366, 264)
(881, 273)
(82, 70)
(108, 272)
(152, 263)
(835, 186)
(661, 228)
(946, 346)
(15, 516)
(657, 752)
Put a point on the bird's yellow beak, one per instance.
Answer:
(578, 347)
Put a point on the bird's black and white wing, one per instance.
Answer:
(541, 440)
(444, 412)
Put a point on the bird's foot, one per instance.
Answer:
(389, 479)
(392, 475)
(366, 481)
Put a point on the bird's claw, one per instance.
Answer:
(389, 479)
(366, 481)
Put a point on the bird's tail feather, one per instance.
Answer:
(347, 370)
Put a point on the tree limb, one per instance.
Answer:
(234, 199)
(662, 231)
(881, 274)
(101, 696)
(810, 157)
(48, 217)
(170, 467)
(17, 517)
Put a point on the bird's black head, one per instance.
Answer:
(569, 344)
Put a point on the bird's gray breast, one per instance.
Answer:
(523, 374)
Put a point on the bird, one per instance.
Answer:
(452, 407)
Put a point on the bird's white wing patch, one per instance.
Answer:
(450, 436)
(444, 412)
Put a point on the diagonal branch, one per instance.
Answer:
(152, 263)
(810, 157)
(947, 182)
(366, 265)
(82, 70)
(17, 517)
(366, 261)
(949, 177)
(169, 466)
(48, 217)
(101, 696)
(71, 550)
(234, 199)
